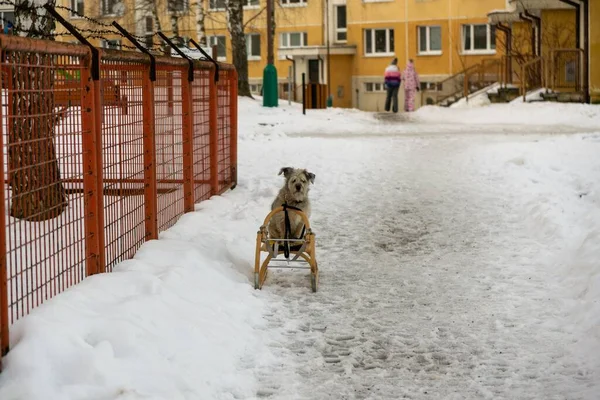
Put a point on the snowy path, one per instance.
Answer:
(430, 285)
(458, 257)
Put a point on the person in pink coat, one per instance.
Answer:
(411, 86)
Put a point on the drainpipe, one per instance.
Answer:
(586, 50)
(524, 17)
(293, 73)
(538, 26)
(329, 98)
(508, 33)
(586, 40)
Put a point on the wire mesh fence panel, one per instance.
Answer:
(201, 142)
(121, 83)
(43, 159)
(93, 168)
(169, 144)
(224, 128)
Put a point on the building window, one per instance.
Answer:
(253, 46)
(221, 44)
(431, 86)
(7, 18)
(291, 3)
(178, 5)
(111, 7)
(111, 44)
(479, 38)
(374, 87)
(570, 72)
(149, 32)
(430, 40)
(293, 39)
(77, 9)
(256, 88)
(379, 42)
(341, 27)
(149, 41)
(217, 4)
(251, 3)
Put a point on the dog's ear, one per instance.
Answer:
(310, 176)
(286, 171)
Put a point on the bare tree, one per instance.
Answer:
(235, 25)
(149, 8)
(37, 191)
(556, 35)
(200, 25)
(174, 8)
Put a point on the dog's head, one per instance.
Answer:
(297, 182)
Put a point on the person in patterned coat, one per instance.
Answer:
(411, 86)
(392, 85)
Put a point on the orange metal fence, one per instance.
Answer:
(93, 168)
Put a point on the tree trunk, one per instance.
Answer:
(235, 24)
(200, 26)
(37, 191)
(154, 11)
(174, 19)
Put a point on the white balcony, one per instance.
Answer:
(312, 51)
(533, 5)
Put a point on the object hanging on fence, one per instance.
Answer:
(299, 253)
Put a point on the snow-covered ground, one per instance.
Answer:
(459, 253)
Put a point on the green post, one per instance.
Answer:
(329, 101)
(270, 96)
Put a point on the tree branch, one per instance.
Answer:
(255, 16)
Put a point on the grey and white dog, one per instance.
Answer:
(293, 193)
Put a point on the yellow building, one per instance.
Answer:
(443, 37)
(555, 40)
(364, 36)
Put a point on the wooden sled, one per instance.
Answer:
(301, 254)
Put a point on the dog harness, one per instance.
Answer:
(288, 234)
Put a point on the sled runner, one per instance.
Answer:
(298, 253)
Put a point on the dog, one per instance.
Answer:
(293, 193)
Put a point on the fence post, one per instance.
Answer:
(91, 124)
(214, 136)
(233, 125)
(91, 117)
(304, 94)
(149, 141)
(187, 126)
(4, 337)
(523, 83)
(187, 144)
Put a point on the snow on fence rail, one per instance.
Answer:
(93, 168)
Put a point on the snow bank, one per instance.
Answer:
(535, 95)
(475, 101)
(557, 115)
(178, 321)
(557, 183)
(287, 120)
